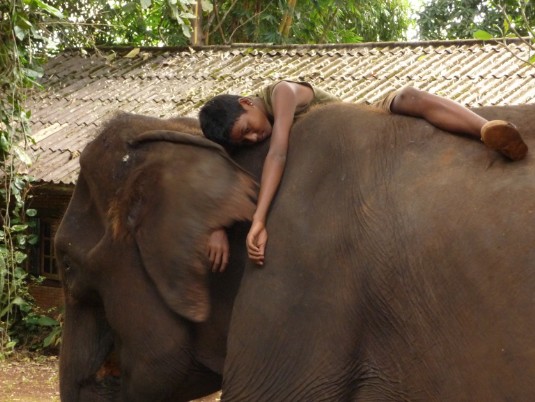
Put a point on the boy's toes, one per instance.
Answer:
(504, 137)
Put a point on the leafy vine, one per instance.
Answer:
(19, 70)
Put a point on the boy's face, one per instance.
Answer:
(252, 126)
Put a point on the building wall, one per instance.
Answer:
(49, 297)
(50, 201)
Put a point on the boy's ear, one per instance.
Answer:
(245, 101)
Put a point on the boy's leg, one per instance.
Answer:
(453, 117)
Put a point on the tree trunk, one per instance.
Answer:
(286, 23)
(197, 36)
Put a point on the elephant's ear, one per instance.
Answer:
(177, 197)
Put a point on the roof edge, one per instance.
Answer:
(261, 46)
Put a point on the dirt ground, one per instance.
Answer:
(29, 378)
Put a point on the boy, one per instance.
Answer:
(234, 120)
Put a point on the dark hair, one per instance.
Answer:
(218, 115)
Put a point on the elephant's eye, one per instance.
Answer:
(66, 261)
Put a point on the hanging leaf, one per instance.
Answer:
(22, 22)
(22, 155)
(31, 212)
(174, 10)
(482, 35)
(46, 321)
(207, 6)
(46, 7)
(132, 53)
(34, 73)
(110, 57)
(5, 144)
(18, 228)
(19, 33)
(19, 301)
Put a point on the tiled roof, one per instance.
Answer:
(84, 90)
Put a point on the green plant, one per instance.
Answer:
(90, 23)
(20, 42)
(519, 22)
(460, 19)
(38, 331)
(315, 21)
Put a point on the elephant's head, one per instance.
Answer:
(131, 252)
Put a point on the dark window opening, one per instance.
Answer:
(47, 259)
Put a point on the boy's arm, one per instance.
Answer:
(285, 99)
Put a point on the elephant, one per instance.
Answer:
(399, 266)
(137, 327)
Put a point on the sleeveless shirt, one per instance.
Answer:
(320, 97)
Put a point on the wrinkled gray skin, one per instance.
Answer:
(400, 266)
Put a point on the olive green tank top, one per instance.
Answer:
(320, 97)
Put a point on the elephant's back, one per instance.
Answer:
(426, 234)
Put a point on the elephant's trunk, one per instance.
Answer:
(87, 341)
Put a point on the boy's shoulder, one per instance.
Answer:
(320, 96)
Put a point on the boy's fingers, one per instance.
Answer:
(251, 245)
(256, 256)
(257, 260)
(215, 263)
(224, 262)
(214, 268)
(254, 251)
(212, 258)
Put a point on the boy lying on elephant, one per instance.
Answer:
(235, 120)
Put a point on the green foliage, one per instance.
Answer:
(121, 22)
(15, 300)
(38, 331)
(170, 22)
(316, 21)
(461, 19)
(519, 22)
(20, 42)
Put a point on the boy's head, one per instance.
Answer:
(233, 120)
(217, 117)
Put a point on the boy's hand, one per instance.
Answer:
(218, 250)
(256, 242)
